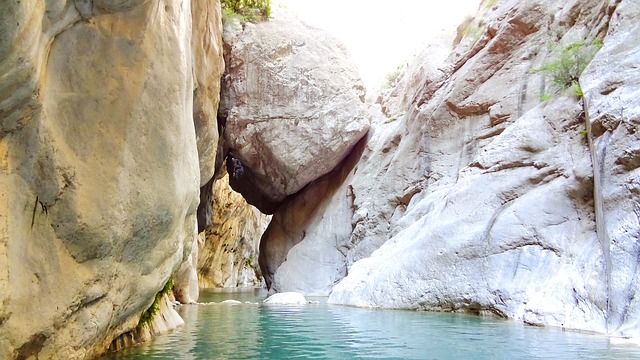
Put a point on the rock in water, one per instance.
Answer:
(286, 298)
(231, 302)
(293, 106)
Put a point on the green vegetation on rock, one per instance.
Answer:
(246, 10)
(565, 65)
(147, 315)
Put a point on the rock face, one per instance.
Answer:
(313, 218)
(99, 163)
(612, 96)
(293, 107)
(477, 196)
(228, 249)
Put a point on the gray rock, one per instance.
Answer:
(612, 91)
(293, 106)
(477, 196)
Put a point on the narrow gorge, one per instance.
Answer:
(149, 150)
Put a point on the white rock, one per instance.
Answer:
(231, 302)
(612, 91)
(286, 298)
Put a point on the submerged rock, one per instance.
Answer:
(231, 302)
(292, 105)
(286, 298)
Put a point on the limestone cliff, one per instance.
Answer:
(228, 249)
(475, 194)
(99, 162)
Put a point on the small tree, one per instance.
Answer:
(567, 64)
(249, 10)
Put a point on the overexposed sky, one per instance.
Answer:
(380, 35)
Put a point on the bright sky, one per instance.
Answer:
(381, 35)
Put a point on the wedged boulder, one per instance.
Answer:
(292, 104)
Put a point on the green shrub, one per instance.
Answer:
(567, 64)
(488, 4)
(247, 10)
(393, 77)
(474, 32)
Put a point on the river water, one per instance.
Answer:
(252, 331)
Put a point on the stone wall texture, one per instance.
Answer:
(100, 172)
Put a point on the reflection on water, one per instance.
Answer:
(251, 331)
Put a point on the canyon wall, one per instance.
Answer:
(99, 161)
(228, 249)
(477, 191)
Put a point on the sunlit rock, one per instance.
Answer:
(286, 298)
(99, 165)
(293, 106)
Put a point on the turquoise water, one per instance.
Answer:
(322, 331)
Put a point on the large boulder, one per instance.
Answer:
(99, 166)
(293, 107)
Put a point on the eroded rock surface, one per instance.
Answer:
(475, 195)
(302, 249)
(293, 106)
(612, 91)
(228, 249)
(100, 167)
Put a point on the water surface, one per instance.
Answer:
(251, 331)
